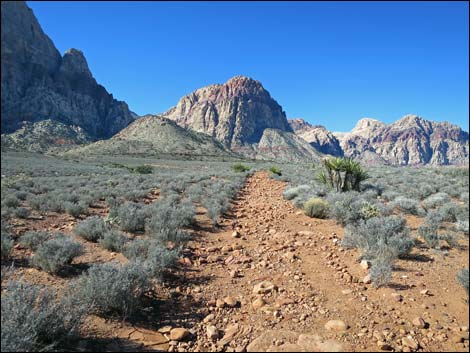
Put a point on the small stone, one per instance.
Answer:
(366, 279)
(365, 264)
(397, 297)
(258, 303)
(236, 234)
(410, 342)
(209, 318)
(384, 346)
(212, 332)
(219, 303)
(231, 302)
(336, 325)
(346, 291)
(264, 287)
(419, 322)
(178, 334)
(165, 329)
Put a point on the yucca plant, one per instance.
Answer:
(342, 174)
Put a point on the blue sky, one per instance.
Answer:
(331, 63)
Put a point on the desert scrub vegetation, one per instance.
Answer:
(6, 245)
(113, 240)
(34, 319)
(463, 278)
(342, 174)
(93, 228)
(111, 289)
(239, 167)
(381, 240)
(275, 170)
(33, 239)
(131, 216)
(316, 208)
(54, 255)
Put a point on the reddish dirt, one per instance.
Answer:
(316, 281)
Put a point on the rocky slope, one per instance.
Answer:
(317, 136)
(154, 135)
(37, 83)
(236, 113)
(44, 136)
(411, 140)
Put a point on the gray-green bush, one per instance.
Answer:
(55, 254)
(92, 228)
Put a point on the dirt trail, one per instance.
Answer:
(316, 281)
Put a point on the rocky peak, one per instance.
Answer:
(74, 63)
(235, 113)
(38, 84)
(299, 124)
(366, 126)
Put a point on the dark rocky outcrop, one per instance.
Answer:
(37, 83)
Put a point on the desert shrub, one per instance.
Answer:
(275, 170)
(369, 210)
(55, 254)
(239, 167)
(33, 239)
(428, 231)
(113, 240)
(350, 207)
(92, 228)
(463, 278)
(292, 193)
(436, 200)
(342, 174)
(38, 202)
(33, 320)
(113, 204)
(379, 235)
(11, 201)
(390, 195)
(426, 190)
(109, 289)
(462, 226)
(381, 240)
(408, 206)
(131, 217)
(21, 195)
(152, 255)
(22, 212)
(6, 245)
(143, 169)
(317, 208)
(381, 270)
(75, 209)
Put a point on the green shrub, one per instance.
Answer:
(275, 170)
(55, 254)
(143, 169)
(239, 167)
(131, 217)
(428, 231)
(342, 174)
(317, 208)
(75, 209)
(92, 228)
(11, 201)
(369, 210)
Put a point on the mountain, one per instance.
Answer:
(44, 136)
(236, 113)
(155, 135)
(37, 83)
(317, 136)
(411, 140)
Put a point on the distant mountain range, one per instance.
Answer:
(51, 102)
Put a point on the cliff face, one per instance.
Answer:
(411, 140)
(235, 113)
(37, 83)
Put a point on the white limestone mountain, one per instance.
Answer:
(411, 140)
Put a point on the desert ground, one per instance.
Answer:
(265, 277)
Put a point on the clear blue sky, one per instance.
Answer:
(331, 63)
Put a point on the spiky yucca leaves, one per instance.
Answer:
(342, 174)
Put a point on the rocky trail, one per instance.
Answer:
(270, 278)
(274, 279)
